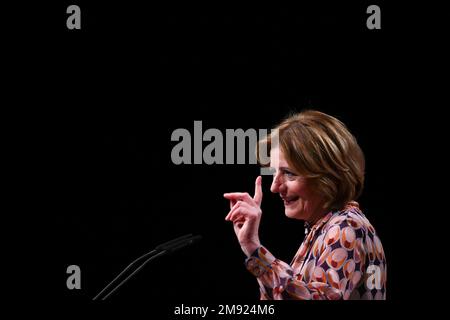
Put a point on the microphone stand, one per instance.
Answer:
(165, 248)
(137, 269)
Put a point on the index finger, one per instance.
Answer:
(243, 196)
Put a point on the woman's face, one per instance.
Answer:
(300, 200)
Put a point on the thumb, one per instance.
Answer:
(258, 191)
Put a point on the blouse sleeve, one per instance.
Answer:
(330, 273)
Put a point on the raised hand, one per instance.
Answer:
(245, 213)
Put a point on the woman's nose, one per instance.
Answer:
(275, 187)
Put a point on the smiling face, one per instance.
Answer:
(300, 200)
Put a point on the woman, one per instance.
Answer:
(318, 171)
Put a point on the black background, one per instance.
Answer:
(112, 93)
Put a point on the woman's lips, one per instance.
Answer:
(289, 200)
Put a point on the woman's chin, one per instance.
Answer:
(293, 214)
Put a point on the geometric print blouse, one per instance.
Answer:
(341, 257)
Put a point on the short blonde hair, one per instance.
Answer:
(320, 148)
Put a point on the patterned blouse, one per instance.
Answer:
(340, 258)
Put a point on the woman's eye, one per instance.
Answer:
(288, 174)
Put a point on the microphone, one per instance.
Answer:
(172, 247)
(168, 244)
(164, 248)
